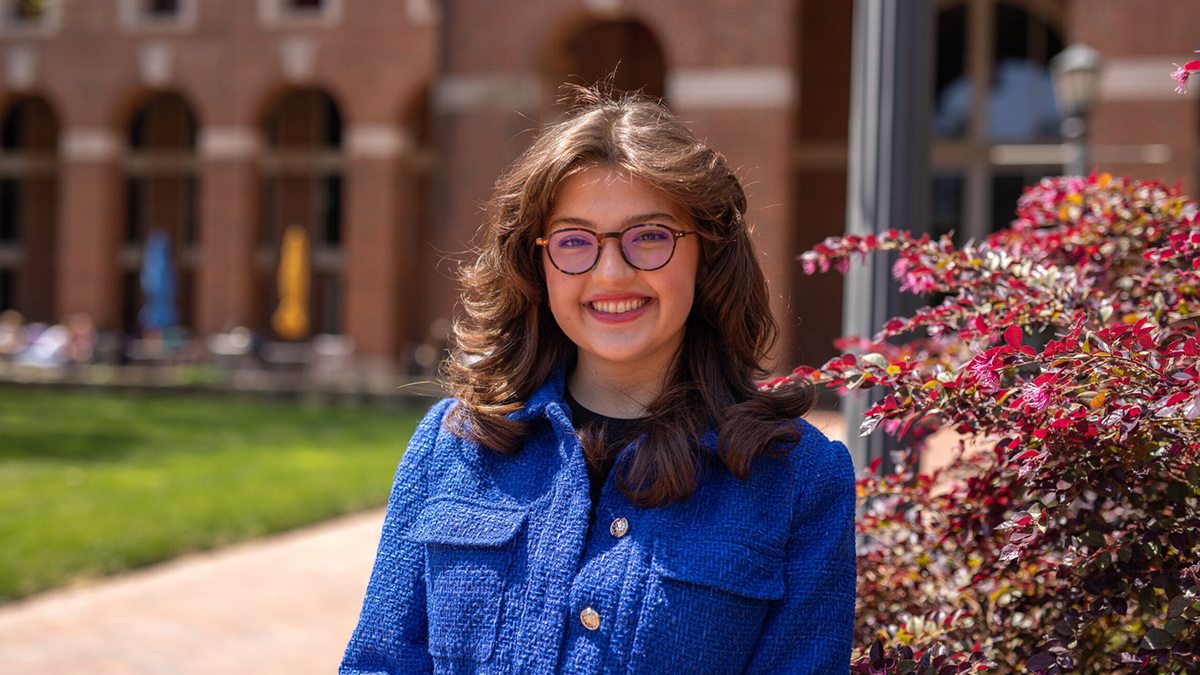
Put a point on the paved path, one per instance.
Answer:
(285, 604)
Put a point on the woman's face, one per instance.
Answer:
(625, 321)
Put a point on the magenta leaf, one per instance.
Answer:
(1012, 336)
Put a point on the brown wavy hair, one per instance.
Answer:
(507, 343)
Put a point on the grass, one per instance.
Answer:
(92, 484)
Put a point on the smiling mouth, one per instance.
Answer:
(619, 306)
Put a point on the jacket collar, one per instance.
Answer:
(551, 394)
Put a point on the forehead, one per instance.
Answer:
(607, 198)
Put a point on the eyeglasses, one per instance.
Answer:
(576, 250)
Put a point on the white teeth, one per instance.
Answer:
(619, 307)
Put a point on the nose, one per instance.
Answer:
(611, 266)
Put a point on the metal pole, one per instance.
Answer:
(888, 177)
(1074, 130)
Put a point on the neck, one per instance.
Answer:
(620, 393)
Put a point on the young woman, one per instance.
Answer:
(608, 491)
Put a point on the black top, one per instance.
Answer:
(614, 433)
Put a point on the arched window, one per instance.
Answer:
(421, 342)
(995, 125)
(302, 186)
(160, 194)
(624, 49)
(28, 208)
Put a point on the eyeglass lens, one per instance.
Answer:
(644, 247)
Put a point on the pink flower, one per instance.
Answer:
(913, 276)
(982, 370)
(809, 264)
(1181, 74)
(1181, 77)
(1035, 397)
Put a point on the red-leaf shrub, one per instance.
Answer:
(1064, 536)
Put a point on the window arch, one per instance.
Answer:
(624, 49)
(995, 125)
(302, 185)
(160, 194)
(422, 342)
(29, 134)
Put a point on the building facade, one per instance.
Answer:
(378, 126)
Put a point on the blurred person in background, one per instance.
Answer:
(81, 339)
(13, 339)
(609, 490)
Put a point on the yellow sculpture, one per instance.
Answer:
(290, 320)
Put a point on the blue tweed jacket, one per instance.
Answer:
(487, 563)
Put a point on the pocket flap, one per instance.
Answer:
(730, 567)
(456, 523)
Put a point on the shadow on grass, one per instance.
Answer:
(77, 446)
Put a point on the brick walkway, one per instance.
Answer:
(285, 604)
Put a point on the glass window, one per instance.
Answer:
(1007, 188)
(1021, 95)
(952, 85)
(326, 303)
(268, 214)
(625, 50)
(993, 89)
(302, 185)
(131, 300)
(12, 134)
(28, 207)
(157, 15)
(330, 208)
(282, 13)
(133, 214)
(305, 5)
(160, 185)
(160, 9)
(7, 278)
(28, 11)
(305, 119)
(191, 223)
(9, 209)
(947, 205)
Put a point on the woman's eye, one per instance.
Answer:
(574, 241)
(652, 235)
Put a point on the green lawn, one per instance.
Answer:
(91, 484)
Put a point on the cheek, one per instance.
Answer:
(558, 293)
(688, 300)
(686, 283)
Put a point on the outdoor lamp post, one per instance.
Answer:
(1076, 72)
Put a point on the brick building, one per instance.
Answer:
(379, 125)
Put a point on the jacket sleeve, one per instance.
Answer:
(392, 635)
(810, 630)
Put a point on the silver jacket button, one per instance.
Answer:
(619, 527)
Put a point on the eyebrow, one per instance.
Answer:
(632, 220)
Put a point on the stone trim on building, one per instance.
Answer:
(487, 91)
(229, 143)
(731, 88)
(90, 144)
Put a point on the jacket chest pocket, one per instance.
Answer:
(705, 607)
(469, 555)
